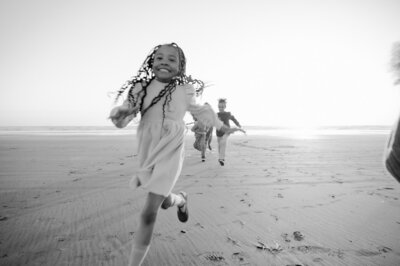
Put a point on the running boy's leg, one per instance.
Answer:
(141, 242)
(222, 147)
(219, 140)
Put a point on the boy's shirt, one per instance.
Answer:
(225, 117)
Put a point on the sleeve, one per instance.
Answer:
(392, 152)
(203, 112)
(235, 121)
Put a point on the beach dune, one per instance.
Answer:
(324, 200)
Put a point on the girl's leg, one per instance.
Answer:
(141, 242)
(219, 146)
(173, 200)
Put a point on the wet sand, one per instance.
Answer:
(277, 201)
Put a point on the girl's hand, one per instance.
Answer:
(119, 112)
(120, 115)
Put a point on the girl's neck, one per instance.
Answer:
(162, 81)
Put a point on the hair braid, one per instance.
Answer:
(168, 99)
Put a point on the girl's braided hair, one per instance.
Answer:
(145, 75)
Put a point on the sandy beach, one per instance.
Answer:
(278, 201)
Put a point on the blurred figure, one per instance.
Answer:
(200, 132)
(209, 137)
(392, 152)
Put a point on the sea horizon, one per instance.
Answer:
(251, 130)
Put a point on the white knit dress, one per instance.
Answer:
(161, 142)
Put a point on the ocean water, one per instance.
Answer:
(250, 130)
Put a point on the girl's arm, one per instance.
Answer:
(122, 115)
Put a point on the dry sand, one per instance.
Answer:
(278, 201)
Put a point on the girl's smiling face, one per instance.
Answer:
(166, 63)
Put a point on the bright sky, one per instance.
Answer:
(278, 62)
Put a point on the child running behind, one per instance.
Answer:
(222, 137)
(162, 93)
(200, 132)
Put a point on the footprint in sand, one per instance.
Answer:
(297, 235)
(232, 241)
(73, 172)
(240, 222)
(216, 257)
(370, 253)
(241, 257)
(247, 203)
(313, 249)
(285, 237)
(276, 218)
(199, 225)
